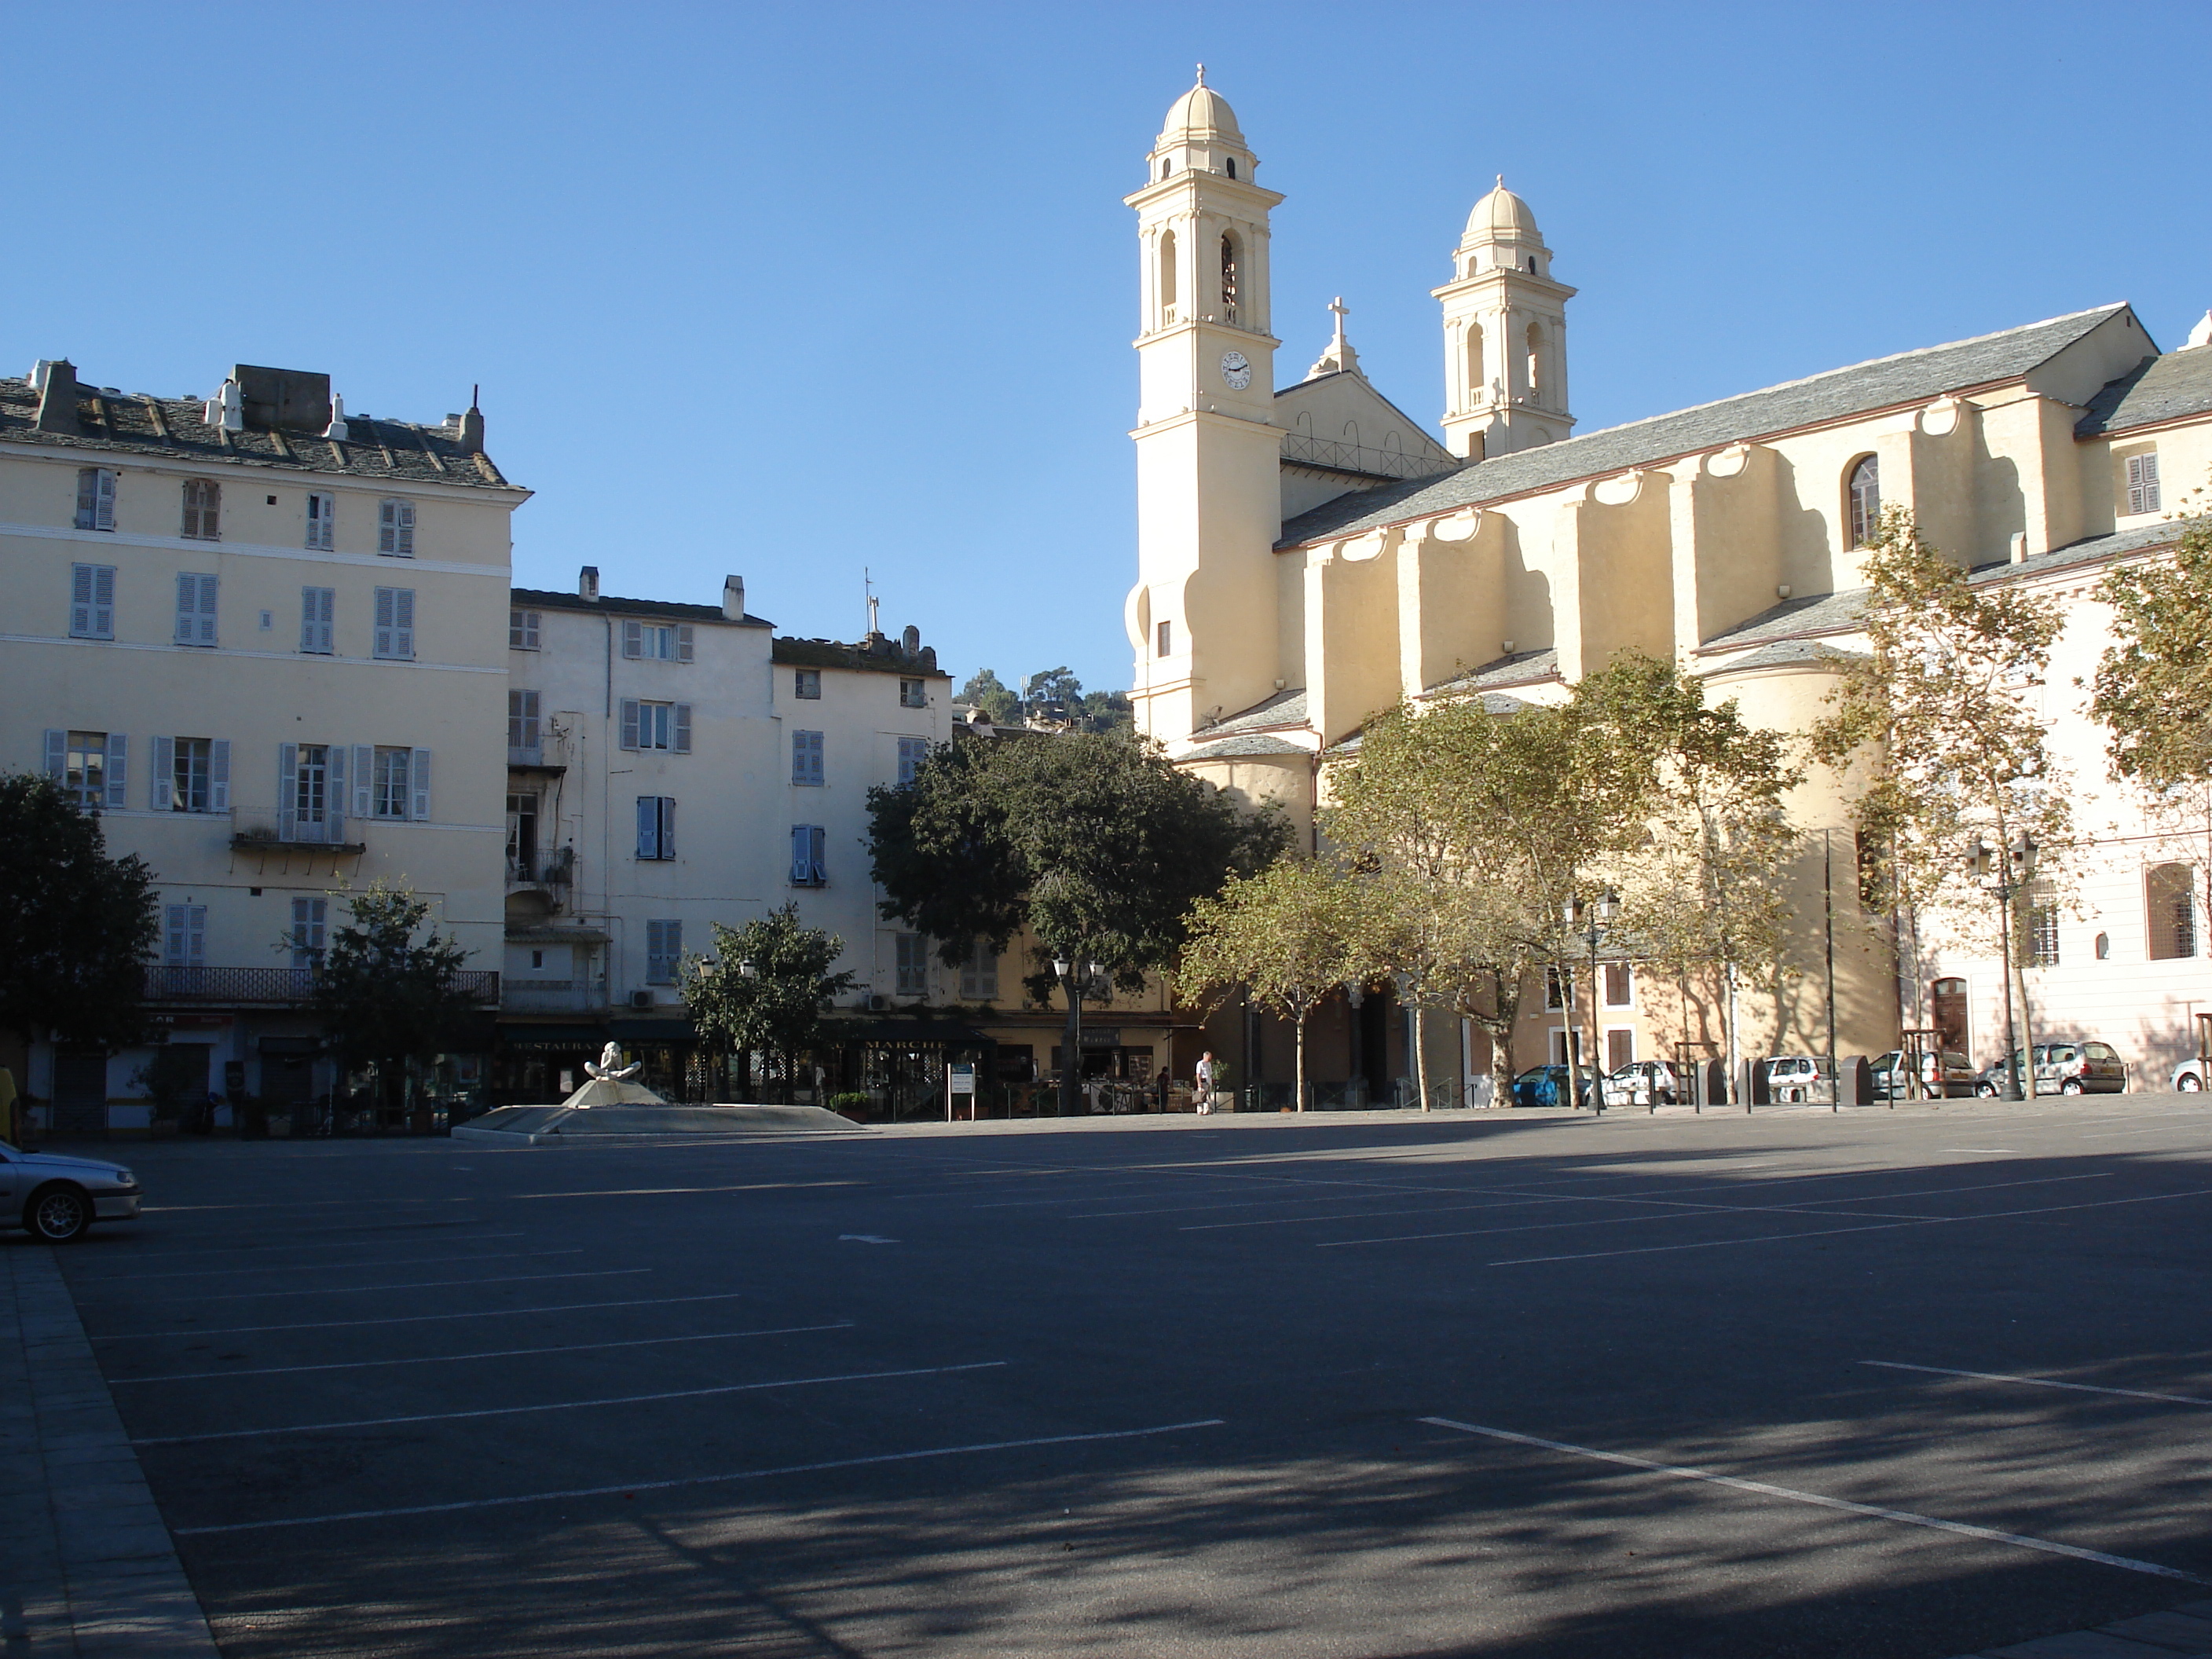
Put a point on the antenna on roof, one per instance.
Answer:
(868, 587)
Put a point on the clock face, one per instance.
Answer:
(1235, 373)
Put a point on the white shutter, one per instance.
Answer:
(57, 754)
(188, 604)
(318, 617)
(648, 827)
(633, 637)
(195, 935)
(798, 855)
(402, 622)
(364, 780)
(388, 526)
(103, 601)
(684, 643)
(334, 792)
(406, 530)
(418, 776)
(81, 583)
(88, 496)
(629, 722)
(103, 515)
(174, 935)
(668, 826)
(164, 778)
(219, 775)
(682, 741)
(117, 779)
(383, 609)
(207, 611)
(817, 854)
(287, 789)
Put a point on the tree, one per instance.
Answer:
(2152, 691)
(1942, 718)
(76, 927)
(388, 986)
(1290, 935)
(986, 691)
(1094, 842)
(766, 987)
(1704, 888)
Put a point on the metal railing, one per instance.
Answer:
(1358, 458)
(274, 987)
(554, 867)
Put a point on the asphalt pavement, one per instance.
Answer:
(1881, 1384)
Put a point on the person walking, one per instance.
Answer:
(1202, 1084)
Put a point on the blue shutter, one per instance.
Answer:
(164, 774)
(681, 742)
(649, 826)
(800, 859)
(57, 754)
(629, 722)
(418, 776)
(287, 789)
(364, 780)
(118, 755)
(633, 638)
(334, 792)
(219, 775)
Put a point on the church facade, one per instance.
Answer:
(1309, 554)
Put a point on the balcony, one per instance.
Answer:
(531, 758)
(552, 996)
(272, 988)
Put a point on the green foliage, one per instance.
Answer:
(2152, 691)
(986, 691)
(1940, 724)
(388, 987)
(766, 987)
(76, 927)
(1085, 711)
(175, 1080)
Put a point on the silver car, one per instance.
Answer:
(57, 1198)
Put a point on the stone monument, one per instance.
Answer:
(612, 1084)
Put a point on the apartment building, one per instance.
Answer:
(262, 639)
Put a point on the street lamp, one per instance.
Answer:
(1355, 992)
(2005, 877)
(1070, 973)
(1598, 918)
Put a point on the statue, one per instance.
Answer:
(610, 1068)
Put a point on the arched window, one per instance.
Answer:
(1232, 167)
(1865, 490)
(1167, 277)
(1228, 276)
(1474, 380)
(2170, 910)
(1535, 360)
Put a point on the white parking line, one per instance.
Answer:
(333, 1266)
(415, 1319)
(496, 1353)
(2039, 1383)
(558, 1405)
(417, 1284)
(634, 1487)
(1762, 1488)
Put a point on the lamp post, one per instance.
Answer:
(1356, 994)
(1071, 973)
(2005, 876)
(1598, 919)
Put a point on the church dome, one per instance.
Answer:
(1201, 113)
(1499, 212)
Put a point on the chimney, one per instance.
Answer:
(587, 581)
(227, 408)
(910, 640)
(472, 425)
(734, 598)
(2018, 547)
(57, 397)
(336, 429)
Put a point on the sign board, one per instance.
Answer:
(963, 1079)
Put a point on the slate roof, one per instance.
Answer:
(1282, 709)
(551, 599)
(1909, 377)
(2163, 389)
(1794, 619)
(1522, 668)
(1229, 747)
(890, 659)
(1788, 654)
(170, 429)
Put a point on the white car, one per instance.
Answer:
(57, 1198)
(2189, 1076)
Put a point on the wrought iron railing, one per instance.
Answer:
(1358, 458)
(274, 985)
(554, 867)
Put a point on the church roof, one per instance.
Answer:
(1201, 111)
(2164, 389)
(1910, 377)
(1500, 210)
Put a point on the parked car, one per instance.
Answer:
(1801, 1078)
(1546, 1085)
(2189, 1076)
(1643, 1083)
(2063, 1068)
(57, 1198)
(1945, 1075)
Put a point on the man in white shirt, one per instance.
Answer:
(1202, 1082)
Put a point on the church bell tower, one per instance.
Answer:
(1202, 616)
(1505, 335)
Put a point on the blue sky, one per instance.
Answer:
(792, 291)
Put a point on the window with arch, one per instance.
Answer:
(1229, 275)
(2170, 910)
(1475, 379)
(1864, 490)
(1536, 370)
(1232, 167)
(1167, 275)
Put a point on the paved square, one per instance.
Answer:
(1504, 1383)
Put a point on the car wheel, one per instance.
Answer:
(58, 1215)
(2189, 1084)
(2071, 1086)
(1986, 1091)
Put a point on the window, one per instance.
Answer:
(395, 624)
(190, 775)
(1865, 491)
(1536, 375)
(1168, 273)
(2042, 926)
(1233, 166)
(657, 641)
(319, 609)
(1475, 383)
(88, 766)
(522, 629)
(196, 599)
(807, 683)
(203, 510)
(1619, 1049)
(912, 972)
(913, 693)
(1165, 643)
(92, 601)
(96, 498)
(1558, 988)
(912, 752)
(2142, 483)
(522, 733)
(322, 521)
(522, 838)
(1228, 276)
(656, 726)
(663, 951)
(312, 791)
(2170, 910)
(806, 757)
(979, 973)
(1619, 985)
(310, 925)
(656, 827)
(391, 783)
(395, 529)
(184, 943)
(808, 850)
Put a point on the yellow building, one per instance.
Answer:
(1308, 555)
